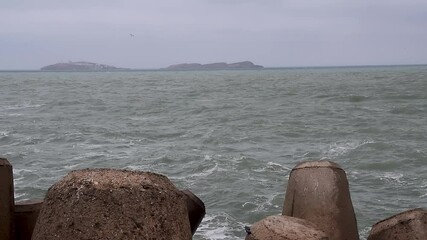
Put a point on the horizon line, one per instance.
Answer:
(264, 68)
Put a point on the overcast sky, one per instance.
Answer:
(273, 33)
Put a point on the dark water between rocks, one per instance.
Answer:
(232, 137)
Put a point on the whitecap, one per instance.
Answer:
(215, 233)
(20, 106)
(364, 233)
(277, 166)
(353, 175)
(14, 114)
(271, 167)
(4, 134)
(88, 155)
(218, 227)
(392, 177)
(341, 148)
(206, 172)
(424, 186)
(22, 171)
(139, 168)
(193, 176)
(263, 203)
(72, 166)
(134, 167)
(20, 195)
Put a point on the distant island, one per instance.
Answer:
(81, 67)
(246, 65)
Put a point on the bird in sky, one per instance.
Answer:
(131, 35)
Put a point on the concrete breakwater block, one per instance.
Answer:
(408, 225)
(318, 192)
(7, 200)
(196, 209)
(26, 214)
(284, 228)
(113, 204)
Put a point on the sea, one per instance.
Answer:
(231, 137)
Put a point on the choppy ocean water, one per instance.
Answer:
(232, 137)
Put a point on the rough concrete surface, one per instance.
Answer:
(408, 225)
(285, 228)
(113, 204)
(318, 192)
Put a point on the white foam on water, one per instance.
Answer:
(24, 105)
(22, 171)
(277, 167)
(217, 227)
(36, 150)
(20, 195)
(134, 167)
(424, 186)
(364, 233)
(71, 167)
(20, 176)
(392, 177)
(353, 175)
(143, 168)
(194, 176)
(88, 155)
(4, 134)
(215, 233)
(14, 114)
(341, 148)
(206, 172)
(263, 202)
(91, 146)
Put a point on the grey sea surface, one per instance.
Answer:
(231, 137)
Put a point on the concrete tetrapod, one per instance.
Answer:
(285, 228)
(7, 200)
(196, 209)
(26, 214)
(113, 204)
(318, 192)
(408, 225)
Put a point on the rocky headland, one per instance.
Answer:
(80, 67)
(246, 65)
